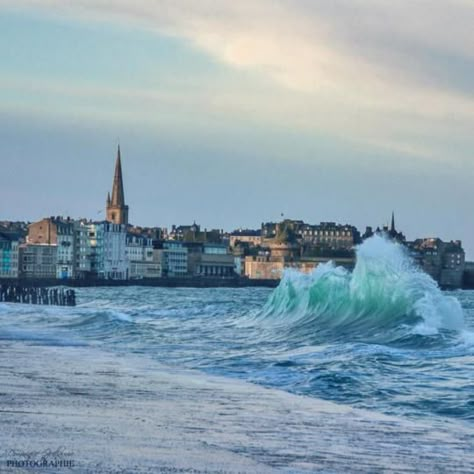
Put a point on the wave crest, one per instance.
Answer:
(385, 299)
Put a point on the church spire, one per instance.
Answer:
(118, 196)
(392, 227)
(117, 210)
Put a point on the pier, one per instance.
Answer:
(33, 295)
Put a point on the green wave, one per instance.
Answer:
(386, 298)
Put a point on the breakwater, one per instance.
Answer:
(37, 295)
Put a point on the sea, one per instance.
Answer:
(383, 337)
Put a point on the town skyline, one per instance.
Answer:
(103, 215)
(277, 112)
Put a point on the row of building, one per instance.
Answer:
(295, 244)
(63, 248)
(58, 248)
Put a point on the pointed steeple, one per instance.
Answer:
(118, 196)
(392, 227)
(117, 210)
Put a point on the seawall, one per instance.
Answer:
(170, 282)
(468, 281)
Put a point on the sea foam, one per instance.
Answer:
(385, 298)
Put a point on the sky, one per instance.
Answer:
(234, 113)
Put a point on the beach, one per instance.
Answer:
(108, 413)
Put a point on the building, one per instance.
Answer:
(204, 259)
(141, 257)
(330, 236)
(193, 233)
(58, 232)
(38, 261)
(454, 264)
(313, 238)
(108, 250)
(215, 261)
(184, 232)
(157, 269)
(116, 209)
(288, 229)
(83, 252)
(444, 261)
(194, 253)
(263, 267)
(246, 236)
(267, 267)
(139, 248)
(174, 259)
(19, 228)
(281, 249)
(9, 254)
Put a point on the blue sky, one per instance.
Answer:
(230, 113)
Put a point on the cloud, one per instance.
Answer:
(389, 73)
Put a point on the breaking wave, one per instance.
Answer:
(385, 299)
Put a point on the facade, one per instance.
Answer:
(174, 259)
(9, 254)
(454, 264)
(43, 232)
(326, 236)
(215, 261)
(181, 259)
(194, 254)
(141, 270)
(158, 262)
(65, 250)
(139, 250)
(116, 209)
(265, 266)
(331, 236)
(284, 250)
(83, 252)
(108, 250)
(248, 236)
(444, 261)
(38, 261)
(60, 233)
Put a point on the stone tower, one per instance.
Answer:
(117, 211)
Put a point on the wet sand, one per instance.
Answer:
(109, 413)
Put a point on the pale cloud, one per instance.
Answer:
(368, 70)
